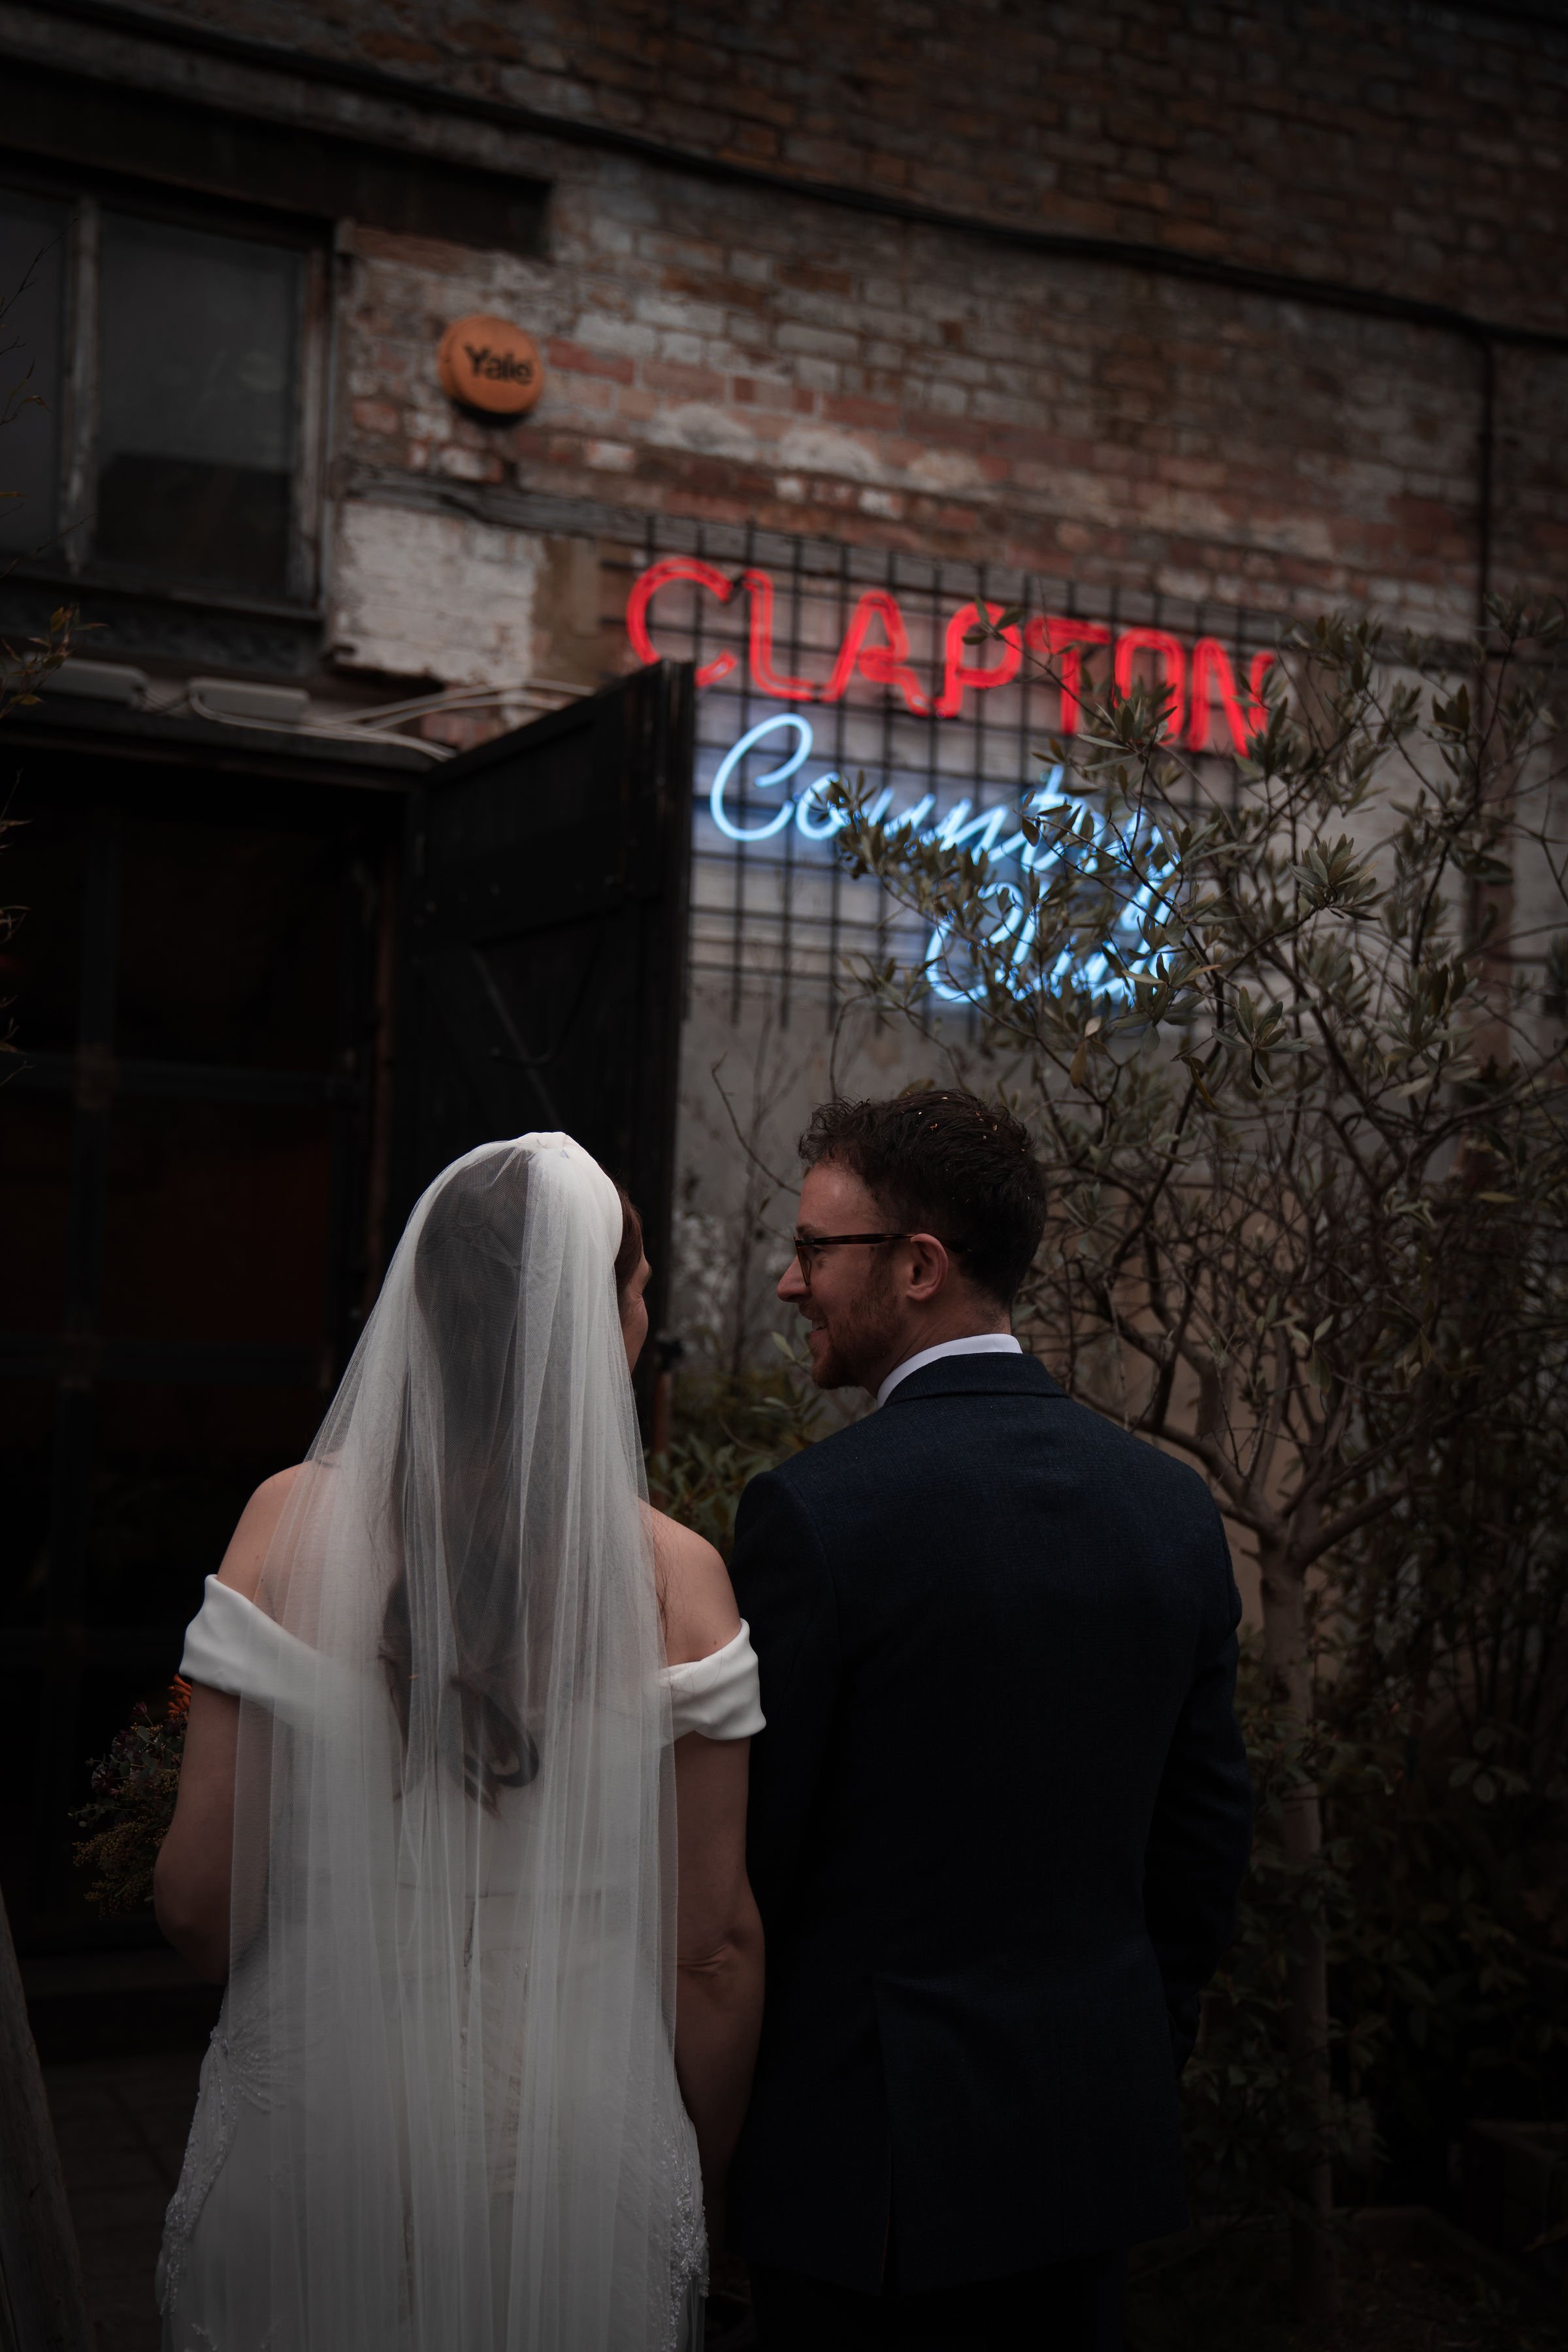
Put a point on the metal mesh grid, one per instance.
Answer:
(779, 917)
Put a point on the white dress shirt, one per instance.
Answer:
(983, 1343)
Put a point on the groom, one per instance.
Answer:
(1000, 1812)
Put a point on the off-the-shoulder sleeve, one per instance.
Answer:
(218, 1640)
(717, 1696)
(231, 1646)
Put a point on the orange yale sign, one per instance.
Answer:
(490, 364)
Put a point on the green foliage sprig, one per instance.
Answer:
(25, 667)
(728, 1431)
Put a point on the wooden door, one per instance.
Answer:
(548, 878)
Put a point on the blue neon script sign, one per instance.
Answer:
(820, 828)
(812, 822)
(1014, 936)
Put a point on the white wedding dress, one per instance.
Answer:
(439, 2111)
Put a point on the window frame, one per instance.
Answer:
(68, 556)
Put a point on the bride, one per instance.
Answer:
(444, 1681)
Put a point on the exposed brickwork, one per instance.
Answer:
(1382, 142)
(727, 353)
(1083, 423)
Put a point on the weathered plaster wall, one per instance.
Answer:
(436, 597)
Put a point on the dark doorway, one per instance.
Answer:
(185, 1150)
(198, 1183)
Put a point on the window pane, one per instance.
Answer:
(198, 367)
(32, 256)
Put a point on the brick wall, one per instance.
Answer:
(1096, 423)
(1384, 142)
(731, 352)
(712, 356)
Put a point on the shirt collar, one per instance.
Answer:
(983, 1343)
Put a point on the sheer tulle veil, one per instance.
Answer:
(452, 1934)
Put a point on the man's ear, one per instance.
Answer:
(930, 1272)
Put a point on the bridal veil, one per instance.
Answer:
(453, 1901)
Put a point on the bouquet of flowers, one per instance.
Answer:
(133, 1791)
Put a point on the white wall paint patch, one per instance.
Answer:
(432, 596)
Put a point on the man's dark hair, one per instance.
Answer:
(943, 1163)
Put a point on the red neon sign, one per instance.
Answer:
(876, 648)
(886, 664)
(647, 587)
(1063, 642)
(957, 673)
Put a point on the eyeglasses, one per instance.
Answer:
(808, 1245)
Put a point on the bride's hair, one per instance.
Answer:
(466, 1288)
(628, 1257)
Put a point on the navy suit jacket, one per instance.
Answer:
(999, 1818)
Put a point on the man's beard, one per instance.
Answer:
(862, 1338)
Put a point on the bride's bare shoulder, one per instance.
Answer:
(700, 1611)
(242, 1563)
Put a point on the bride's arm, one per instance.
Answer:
(719, 1936)
(718, 1956)
(191, 1880)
